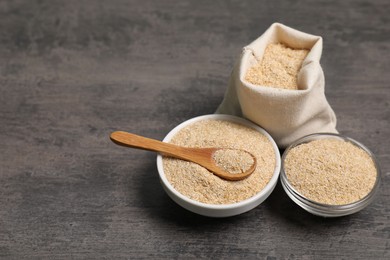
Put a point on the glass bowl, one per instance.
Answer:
(326, 210)
(219, 210)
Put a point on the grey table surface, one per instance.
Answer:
(73, 71)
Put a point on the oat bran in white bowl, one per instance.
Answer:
(198, 190)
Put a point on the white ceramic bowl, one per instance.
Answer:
(213, 210)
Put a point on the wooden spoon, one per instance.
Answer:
(201, 156)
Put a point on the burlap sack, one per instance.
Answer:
(286, 114)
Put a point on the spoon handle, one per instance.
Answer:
(140, 142)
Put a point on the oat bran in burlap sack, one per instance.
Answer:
(286, 114)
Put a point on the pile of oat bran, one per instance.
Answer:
(330, 171)
(199, 184)
(279, 67)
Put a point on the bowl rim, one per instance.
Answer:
(266, 190)
(322, 208)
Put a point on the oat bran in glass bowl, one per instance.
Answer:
(330, 175)
(198, 190)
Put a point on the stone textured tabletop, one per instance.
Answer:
(73, 71)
